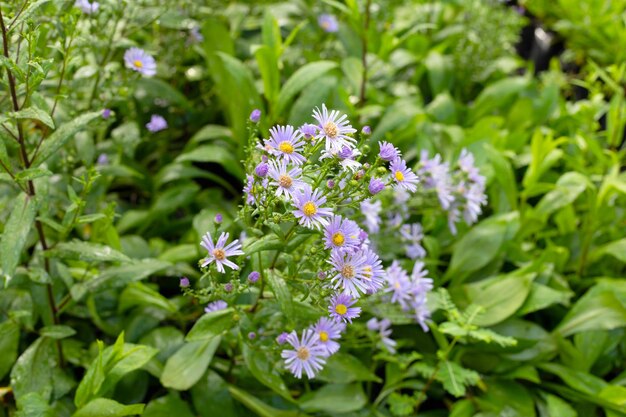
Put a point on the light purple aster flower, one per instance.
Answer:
(86, 7)
(413, 235)
(384, 330)
(349, 272)
(248, 190)
(253, 277)
(282, 338)
(285, 142)
(388, 152)
(399, 285)
(466, 163)
(371, 211)
(184, 282)
(138, 60)
(376, 186)
(341, 309)
(436, 175)
(261, 169)
(474, 198)
(308, 130)
(156, 123)
(216, 306)
(328, 23)
(286, 180)
(403, 176)
(219, 252)
(454, 215)
(342, 234)
(255, 116)
(309, 210)
(328, 331)
(374, 272)
(421, 284)
(421, 314)
(307, 354)
(334, 129)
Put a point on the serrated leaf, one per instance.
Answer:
(455, 379)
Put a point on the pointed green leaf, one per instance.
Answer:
(15, 233)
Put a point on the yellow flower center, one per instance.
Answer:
(341, 309)
(219, 254)
(399, 176)
(285, 181)
(285, 147)
(331, 130)
(309, 209)
(303, 353)
(324, 336)
(397, 285)
(138, 63)
(338, 239)
(347, 271)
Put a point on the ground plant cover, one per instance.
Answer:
(343, 208)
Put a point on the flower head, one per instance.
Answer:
(308, 131)
(399, 285)
(307, 354)
(309, 210)
(328, 23)
(375, 186)
(334, 128)
(285, 142)
(341, 309)
(328, 331)
(412, 234)
(388, 152)
(248, 190)
(371, 210)
(255, 116)
(86, 7)
(261, 169)
(253, 277)
(286, 180)
(374, 272)
(341, 234)
(282, 338)
(156, 123)
(106, 113)
(349, 272)
(184, 282)
(366, 130)
(138, 60)
(403, 176)
(384, 330)
(215, 306)
(219, 252)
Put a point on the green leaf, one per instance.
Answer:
(264, 371)
(87, 251)
(481, 245)
(300, 79)
(9, 341)
(616, 249)
(259, 407)
(32, 173)
(580, 381)
(138, 294)
(343, 368)
(558, 407)
(568, 188)
(541, 296)
(267, 242)
(214, 387)
(217, 154)
(455, 378)
(103, 407)
(184, 368)
(168, 406)
(335, 398)
(211, 325)
(280, 290)
(500, 297)
(32, 8)
(496, 96)
(268, 66)
(34, 113)
(504, 174)
(598, 309)
(59, 137)
(33, 370)
(15, 233)
(57, 331)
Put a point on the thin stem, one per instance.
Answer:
(366, 24)
(63, 68)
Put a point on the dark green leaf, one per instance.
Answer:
(211, 325)
(15, 233)
(103, 407)
(184, 368)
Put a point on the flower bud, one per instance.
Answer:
(253, 277)
(218, 218)
(255, 116)
(261, 169)
(184, 282)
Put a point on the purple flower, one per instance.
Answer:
(156, 123)
(282, 338)
(388, 152)
(138, 60)
(195, 35)
(261, 169)
(404, 177)
(399, 285)
(328, 23)
(376, 186)
(248, 189)
(255, 116)
(371, 211)
(330, 184)
(228, 287)
(251, 335)
(474, 198)
(334, 129)
(366, 130)
(374, 273)
(350, 274)
(253, 277)
(285, 142)
(421, 314)
(218, 218)
(321, 275)
(219, 253)
(436, 175)
(341, 309)
(288, 182)
(103, 159)
(184, 282)
(216, 306)
(86, 7)
(308, 130)
(328, 331)
(421, 284)
(384, 330)
(413, 235)
(307, 354)
(466, 163)
(106, 113)
(308, 211)
(341, 234)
